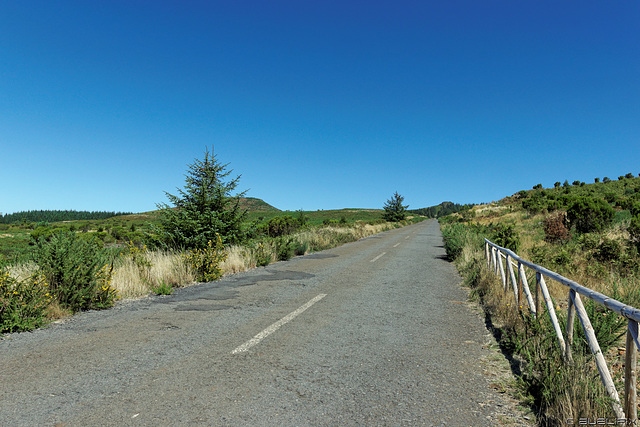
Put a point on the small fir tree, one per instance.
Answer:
(204, 209)
(394, 210)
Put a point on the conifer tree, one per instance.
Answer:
(204, 208)
(394, 210)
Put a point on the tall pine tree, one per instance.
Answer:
(204, 208)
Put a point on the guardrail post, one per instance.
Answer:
(502, 275)
(512, 278)
(494, 262)
(630, 373)
(538, 275)
(571, 316)
(486, 254)
(605, 376)
(525, 286)
(552, 311)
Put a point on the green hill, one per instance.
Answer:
(253, 204)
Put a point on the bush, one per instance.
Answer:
(634, 230)
(23, 304)
(43, 232)
(608, 250)
(262, 255)
(588, 214)
(282, 225)
(455, 237)
(555, 228)
(506, 236)
(535, 204)
(206, 262)
(75, 270)
(284, 249)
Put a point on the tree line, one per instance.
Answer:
(56, 215)
(443, 209)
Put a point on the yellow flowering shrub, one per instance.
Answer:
(206, 262)
(106, 295)
(23, 303)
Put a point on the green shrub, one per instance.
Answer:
(118, 233)
(105, 296)
(263, 255)
(534, 204)
(608, 250)
(284, 249)
(588, 214)
(23, 304)
(634, 230)
(206, 262)
(453, 237)
(506, 236)
(43, 232)
(300, 248)
(163, 288)
(75, 270)
(282, 225)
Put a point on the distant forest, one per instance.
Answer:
(443, 209)
(55, 216)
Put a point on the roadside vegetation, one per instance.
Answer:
(50, 270)
(589, 233)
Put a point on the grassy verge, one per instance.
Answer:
(555, 391)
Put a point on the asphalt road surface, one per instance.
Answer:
(376, 332)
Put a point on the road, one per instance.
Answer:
(376, 332)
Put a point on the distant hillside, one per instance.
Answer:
(253, 204)
(443, 209)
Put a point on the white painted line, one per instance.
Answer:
(274, 327)
(396, 245)
(378, 257)
(406, 237)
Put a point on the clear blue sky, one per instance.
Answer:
(317, 104)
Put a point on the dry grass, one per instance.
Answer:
(239, 258)
(135, 279)
(243, 258)
(23, 271)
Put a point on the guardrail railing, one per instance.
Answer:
(495, 255)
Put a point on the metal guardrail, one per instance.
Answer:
(495, 254)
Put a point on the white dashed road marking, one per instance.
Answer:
(378, 257)
(274, 327)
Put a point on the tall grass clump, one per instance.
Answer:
(139, 271)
